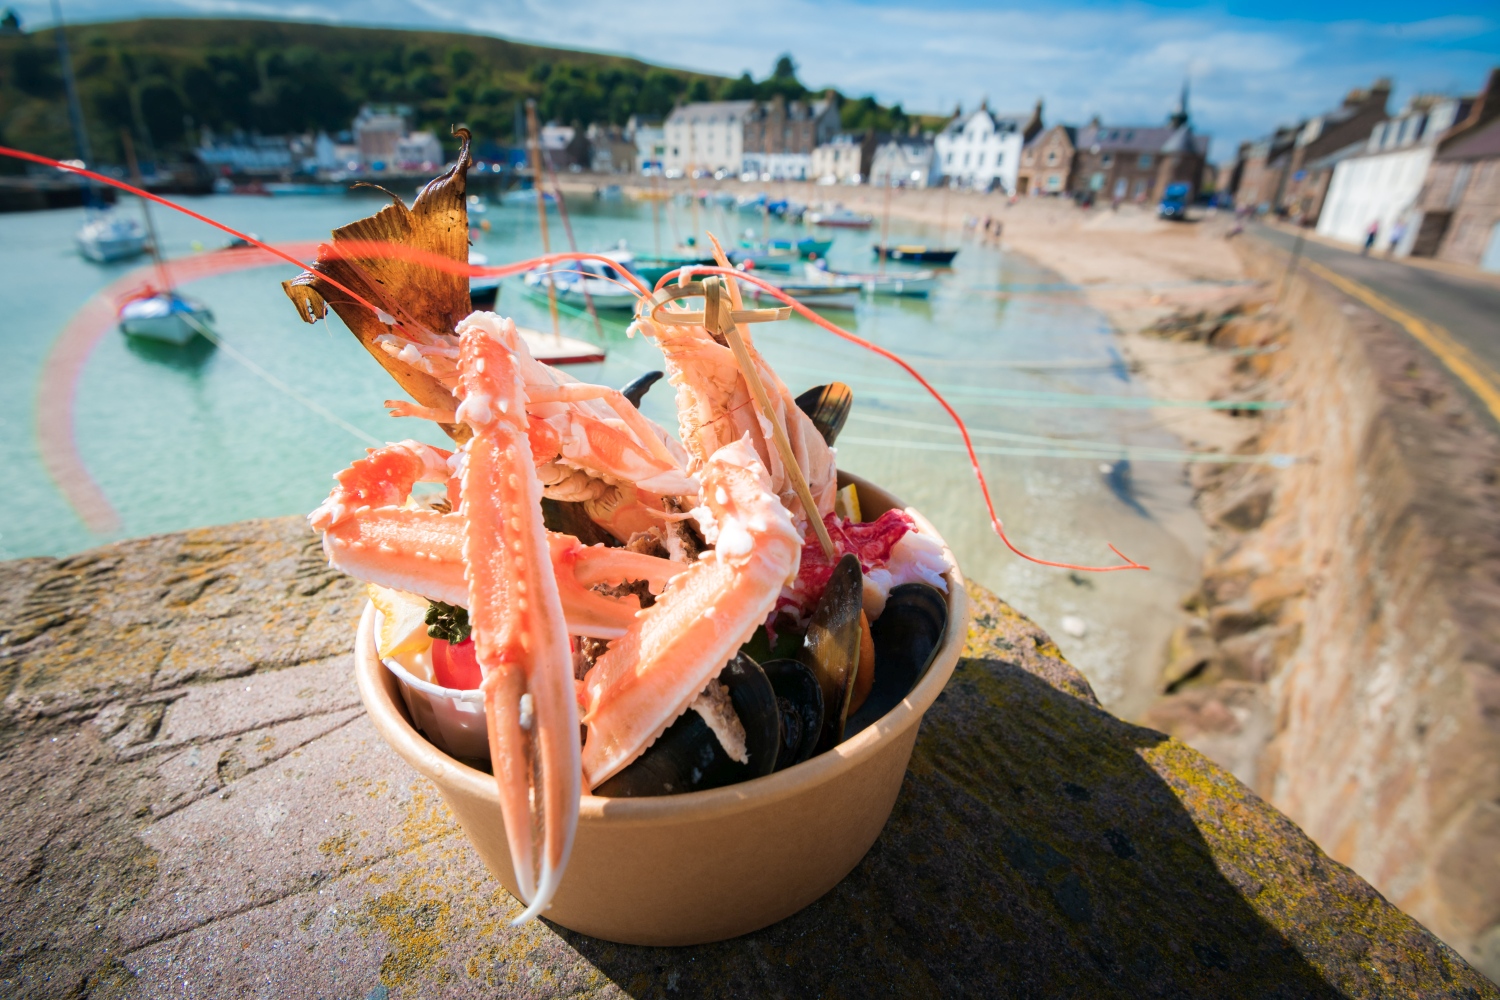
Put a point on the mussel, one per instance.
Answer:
(688, 757)
(831, 648)
(907, 636)
(800, 700)
(636, 388)
(828, 406)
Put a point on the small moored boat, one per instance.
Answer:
(167, 316)
(555, 349)
(106, 237)
(915, 253)
(483, 289)
(841, 218)
(579, 282)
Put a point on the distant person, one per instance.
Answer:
(1398, 233)
(1371, 235)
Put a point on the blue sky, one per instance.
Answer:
(1252, 65)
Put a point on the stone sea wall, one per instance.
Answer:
(194, 804)
(1345, 660)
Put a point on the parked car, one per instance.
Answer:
(1174, 202)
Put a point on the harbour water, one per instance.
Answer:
(180, 438)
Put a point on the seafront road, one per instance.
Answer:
(1456, 317)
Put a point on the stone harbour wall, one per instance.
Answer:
(1345, 661)
(193, 803)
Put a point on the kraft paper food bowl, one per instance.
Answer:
(702, 866)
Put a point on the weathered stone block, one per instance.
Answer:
(202, 834)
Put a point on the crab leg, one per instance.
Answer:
(521, 639)
(674, 648)
(421, 552)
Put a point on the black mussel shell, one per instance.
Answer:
(688, 757)
(828, 406)
(801, 702)
(907, 636)
(569, 518)
(636, 387)
(831, 647)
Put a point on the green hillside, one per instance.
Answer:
(166, 78)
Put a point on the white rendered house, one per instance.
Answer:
(708, 136)
(982, 150)
(1380, 185)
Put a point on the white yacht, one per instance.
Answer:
(106, 237)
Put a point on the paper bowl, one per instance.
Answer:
(702, 866)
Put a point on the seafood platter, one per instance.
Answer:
(626, 657)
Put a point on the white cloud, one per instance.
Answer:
(1125, 63)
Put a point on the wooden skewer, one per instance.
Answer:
(716, 320)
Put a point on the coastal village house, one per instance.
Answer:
(1263, 170)
(611, 149)
(907, 161)
(1325, 140)
(1047, 162)
(1379, 183)
(1137, 162)
(650, 140)
(844, 159)
(780, 136)
(1460, 203)
(1272, 174)
(706, 136)
(982, 150)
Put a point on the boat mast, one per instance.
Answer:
(535, 144)
(75, 108)
(885, 225)
(162, 274)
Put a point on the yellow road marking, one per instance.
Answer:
(1458, 359)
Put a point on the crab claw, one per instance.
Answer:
(520, 636)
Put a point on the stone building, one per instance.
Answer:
(982, 150)
(1460, 202)
(1263, 170)
(377, 131)
(1378, 183)
(780, 136)
(1137, 162)
(1047, 162)
(612, 149)
(707, 136)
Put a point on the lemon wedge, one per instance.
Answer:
(403, 621)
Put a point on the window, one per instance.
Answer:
(1108, 159)
(1144, 163)
(1051, 157)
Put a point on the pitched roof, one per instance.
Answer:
(704, 110)
(998, 120)
(1483, 144)
(1141, 138)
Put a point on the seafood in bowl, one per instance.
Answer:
(641, 614)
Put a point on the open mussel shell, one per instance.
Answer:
(831, 648)
(800, 699)
(636, 388)
(688, 756)
(907, 636)
(828, 406)
(570, 518)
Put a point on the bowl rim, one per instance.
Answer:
(377, 688)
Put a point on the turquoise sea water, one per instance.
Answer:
(182, 438)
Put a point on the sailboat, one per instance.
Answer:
(160, 314)
(104, 237)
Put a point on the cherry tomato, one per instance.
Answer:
(455, 665)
